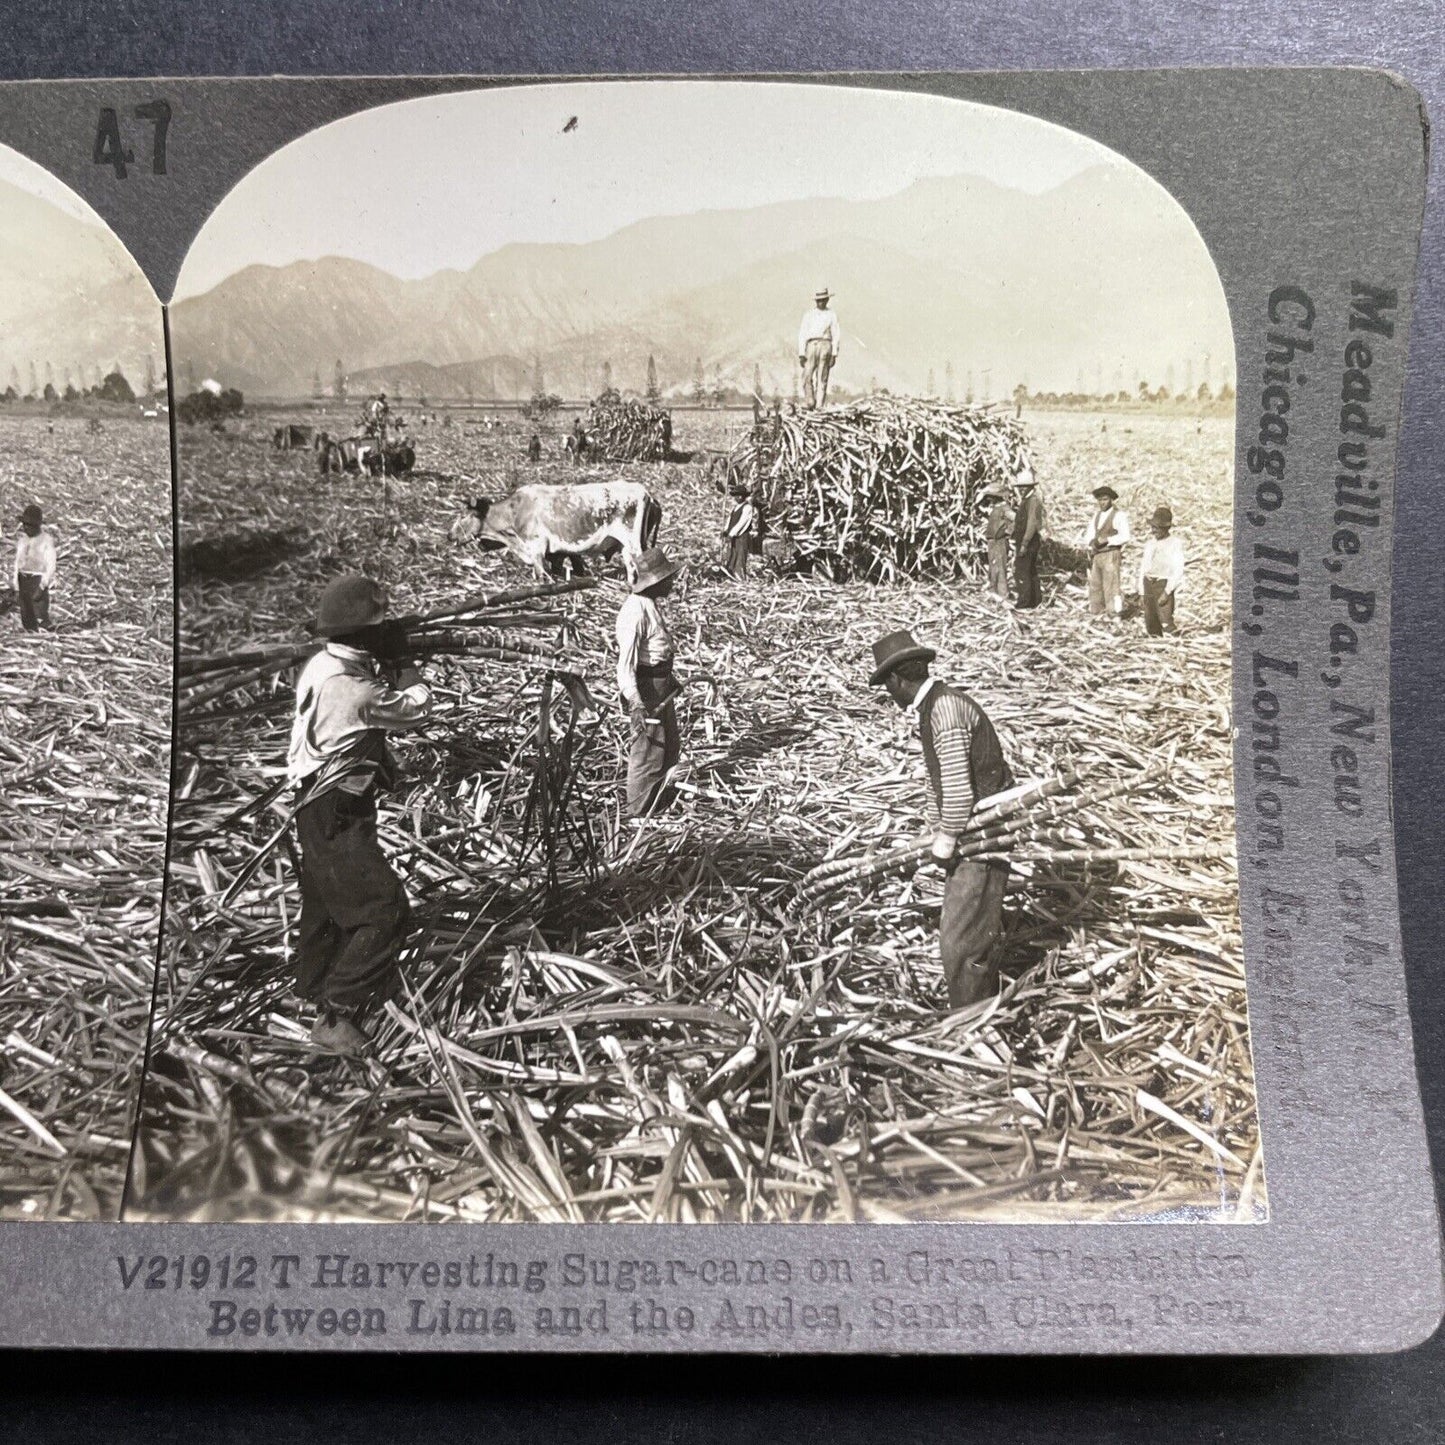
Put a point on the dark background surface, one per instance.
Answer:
(1401, 1398)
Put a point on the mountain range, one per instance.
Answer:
(72, 301)
(1102, 275)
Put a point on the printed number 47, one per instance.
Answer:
(111, 150)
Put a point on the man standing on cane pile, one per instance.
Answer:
(1105, 537)
(354, 909)
(1028, 540)
(818, 338)
(965, 764)
(645, 680)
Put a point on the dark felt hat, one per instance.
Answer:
(32, 516)
(349, 603)
(894, 648)
(1106, 491)
(1162, 517)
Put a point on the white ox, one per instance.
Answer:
(546, 525)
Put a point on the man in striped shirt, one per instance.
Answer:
(965, 764)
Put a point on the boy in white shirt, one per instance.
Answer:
(1161, 572)
(34, 570)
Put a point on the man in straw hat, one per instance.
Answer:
(354, 909)
(1161, 573)
(645, 680)
(738, 531)
(997, 528)
(818, 338)
(1105, 537)
(34, 569)
(965, 763)
(1028, 540)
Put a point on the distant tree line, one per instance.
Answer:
(113, 387)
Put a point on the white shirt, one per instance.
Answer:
(642, 641)
(339, 697)
(1119, 517)
(36, 554)
(819, 324)
(1163, 557)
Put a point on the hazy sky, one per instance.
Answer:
(433, 183)
(23, 172)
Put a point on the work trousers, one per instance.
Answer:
(34, 603)
(738, 550)
(1158, 608)
(655, 748)
(1104, 591)
(354, 910)
(1027, 592)
(817, 363)
(998, 567)
(971, 929)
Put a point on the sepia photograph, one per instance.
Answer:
(86, 629)
(704, 675)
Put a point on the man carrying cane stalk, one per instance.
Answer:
(965, 763)
(354, 909)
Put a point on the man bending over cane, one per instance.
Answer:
(965, 764)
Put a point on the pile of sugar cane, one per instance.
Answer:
(84, 758)
(624, 429)
(606, 1023)
(883, 488)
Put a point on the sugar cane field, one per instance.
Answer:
(84, 772)
(608, 1021)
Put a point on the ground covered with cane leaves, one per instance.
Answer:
(84, 758)
(605, 1022)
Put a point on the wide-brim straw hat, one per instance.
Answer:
(822, 294)
(895, 648)
(654, 566)
(1106, 491)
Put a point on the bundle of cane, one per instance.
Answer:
(1023, 815)
(626, 430)
(476, 626)
(885, 487)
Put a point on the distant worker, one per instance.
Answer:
(1161, 574)
(34, 571)
(965, 764)
(1028, 542)
(354, 909)
(997, 528)
(645, 680)
(738, 534)
(818, 338)
(1104, 538)
(534, 449)
(577, 442)
(377, 412)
